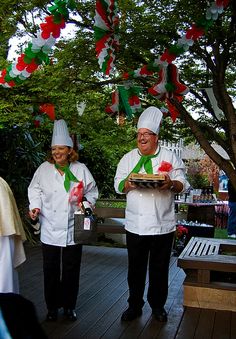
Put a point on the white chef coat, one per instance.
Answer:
(47, 192)
(150, 211)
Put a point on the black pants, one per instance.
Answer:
(155, 250)
(61, 267)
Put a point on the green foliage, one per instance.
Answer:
(198, 180)
(221, 233)
(20, 155)
(104, 143)
(195, 175)
(147, 28)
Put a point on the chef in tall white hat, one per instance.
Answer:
(49, 195)
(150, 215)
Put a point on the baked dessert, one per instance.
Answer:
(147, 180)
(147, 177)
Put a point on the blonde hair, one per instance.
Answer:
(72, 157)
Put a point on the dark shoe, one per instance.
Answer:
(70, 314)
(131, 314)
(52, 315)
(160, 314)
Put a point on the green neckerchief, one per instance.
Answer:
(69, 176)
(145, 160)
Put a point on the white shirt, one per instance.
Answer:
(150, 211)
(47, 192)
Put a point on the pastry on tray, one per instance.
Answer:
(147, 180)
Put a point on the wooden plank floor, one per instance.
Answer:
(103, 297)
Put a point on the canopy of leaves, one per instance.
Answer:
(146, 29)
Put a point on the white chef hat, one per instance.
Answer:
(150, 119)
(60, 135)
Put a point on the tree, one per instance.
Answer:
(147, 28)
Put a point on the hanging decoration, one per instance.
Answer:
(81, 107)
(114, 107)
(125, 99)
(173, 112)
(106, 34)
(42, 110)
(145, 71)
(168, 85)
(196, 31)
(37, 51)
(212, 100)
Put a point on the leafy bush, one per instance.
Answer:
(20, 155)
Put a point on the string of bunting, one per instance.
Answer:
(37, 51)
(106, 34)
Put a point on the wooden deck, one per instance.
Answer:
(103, 297)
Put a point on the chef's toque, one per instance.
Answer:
(150, 119)
(60, 134)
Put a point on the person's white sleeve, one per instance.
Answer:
(121, 174)
(34, 192)
(179, 173)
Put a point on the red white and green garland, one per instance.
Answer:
(39, 48)
(107, 41)
(168, 85)
(106, 34)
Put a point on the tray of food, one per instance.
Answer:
(147, 180)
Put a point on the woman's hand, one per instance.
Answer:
(34, 213)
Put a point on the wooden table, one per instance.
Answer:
(210, 267)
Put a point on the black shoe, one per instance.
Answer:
(70, 314)
(131, 314)
(52, 315)
(160, 314)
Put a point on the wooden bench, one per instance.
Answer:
(106, 222)
(210, 267)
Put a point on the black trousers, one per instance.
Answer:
(61, 267)
(153, 251)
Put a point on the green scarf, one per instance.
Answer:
(69, 176)
(145, 161)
